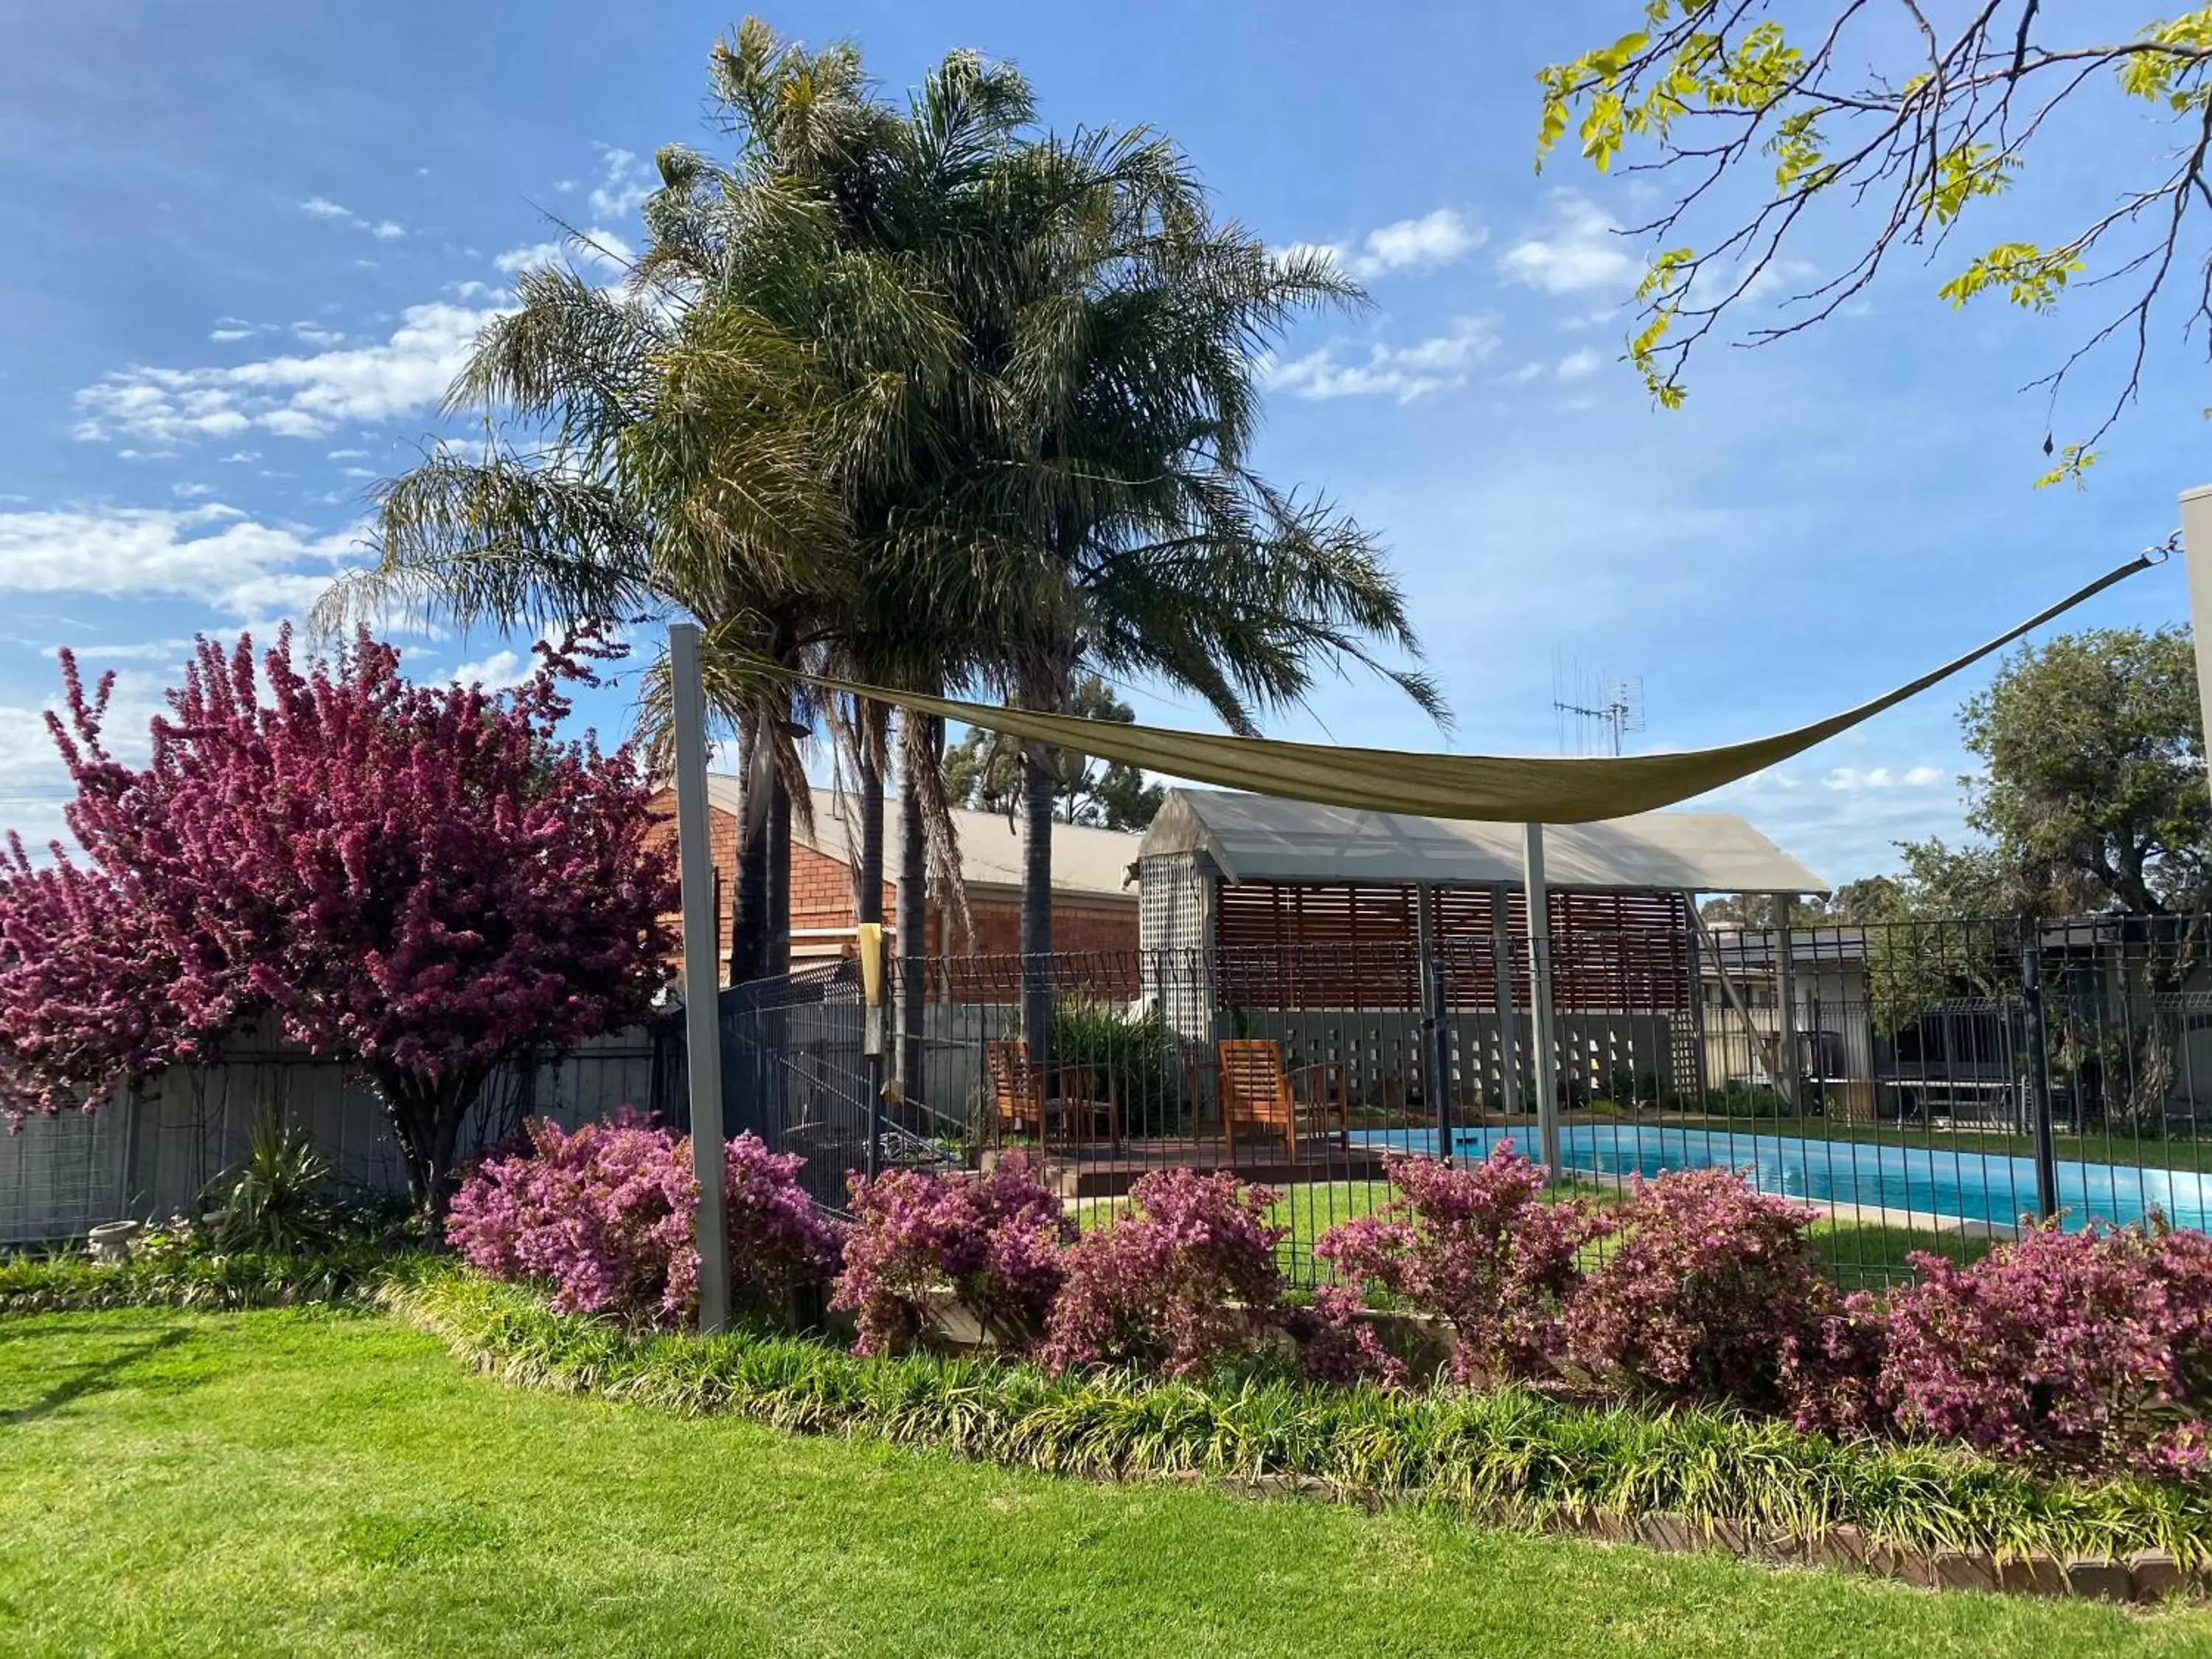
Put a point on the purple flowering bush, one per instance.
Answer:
(606, 1213)
(1477, 1247)
(2089, 1351)
(1711, 1283)
(1187, 1278)
(995, 1243)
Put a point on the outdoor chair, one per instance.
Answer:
(1260, 1093)
(1033, 1102)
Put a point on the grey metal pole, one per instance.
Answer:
(2197, 559)
(1509, 1035)
(2038, 1076)
(1785, 1004)
(702, 1024)
(1433, 1034)
(1542, 1050)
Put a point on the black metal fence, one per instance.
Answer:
(1926, 1086)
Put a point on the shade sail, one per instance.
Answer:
(1508, 789)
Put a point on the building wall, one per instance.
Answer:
(822, 905)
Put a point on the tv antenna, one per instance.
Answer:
(1596, 712)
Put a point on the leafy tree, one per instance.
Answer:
(425, 881)
(1915, 126)
(2093, 793)
(984, 772)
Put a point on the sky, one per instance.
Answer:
(251, 244)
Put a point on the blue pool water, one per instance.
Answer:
(1973, 1186)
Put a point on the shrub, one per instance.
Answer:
(1737, 1098)
(1478, 1247)
(1185, 1279)
(1711, 1283)
(1337, 1343)
(177, 1268)
(995, 1243)
(276, 1200)
(606, 1214)
(1134, 1054)
(2089, 1351)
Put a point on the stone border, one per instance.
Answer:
(2150, 1576)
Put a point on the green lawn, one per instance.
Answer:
(306, 1483)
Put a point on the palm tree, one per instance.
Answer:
(1127, 323)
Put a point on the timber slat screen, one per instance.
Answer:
(1897, 1094)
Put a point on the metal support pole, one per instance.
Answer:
(2196, 558)
(702, 1024)
(2038, 1077)
(1434, 1061)
(869, 942)
(1509, 1034)
(1541, 1049)
(1785, 1004)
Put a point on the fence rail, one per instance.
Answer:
(1925, 1086)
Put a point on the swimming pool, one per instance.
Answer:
(1972, 1186)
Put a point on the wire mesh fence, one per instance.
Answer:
(1924, 1086)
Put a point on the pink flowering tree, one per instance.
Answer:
(425, 880)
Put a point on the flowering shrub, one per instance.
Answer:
(997, 1242)
(2090, 1351)
(1711, 1284)
(1186, 1277)
(1830, 1371)
(1480, 1248)
(606, 1214)
(1339, 1344)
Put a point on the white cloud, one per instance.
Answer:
(191, 492)
(301, 396)
(212, 553)
(589, 250)
(496, 672)
(1576, 364)
(134, 651)
(1851, 779)
(321, 207)
(1404, 372)
(1582, 250)
(624, 183)
(239, 457)
(1442, 238)
(315, 334)
(357, 472)
(347, 455)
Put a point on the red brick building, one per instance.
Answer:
(1094, 879)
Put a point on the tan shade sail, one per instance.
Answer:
(1503, 788)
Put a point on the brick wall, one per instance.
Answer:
(821, 897)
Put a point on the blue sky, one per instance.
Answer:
(250, 243)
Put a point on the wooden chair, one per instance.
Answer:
(1033, 1101)
(1259, 1092)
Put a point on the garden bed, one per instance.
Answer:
(1689, 1477)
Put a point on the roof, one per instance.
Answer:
(1086, 861)
(1260, 838)
(1752, 949)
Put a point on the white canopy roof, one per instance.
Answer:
(1262, 838)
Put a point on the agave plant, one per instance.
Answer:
(276, 1201)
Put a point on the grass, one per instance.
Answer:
(296, 1482)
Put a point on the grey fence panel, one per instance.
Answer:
(152, 1151)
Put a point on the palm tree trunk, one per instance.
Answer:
(1039, 791)
(868, 877)
(749, 930)
(913, 922)
(776, 914)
